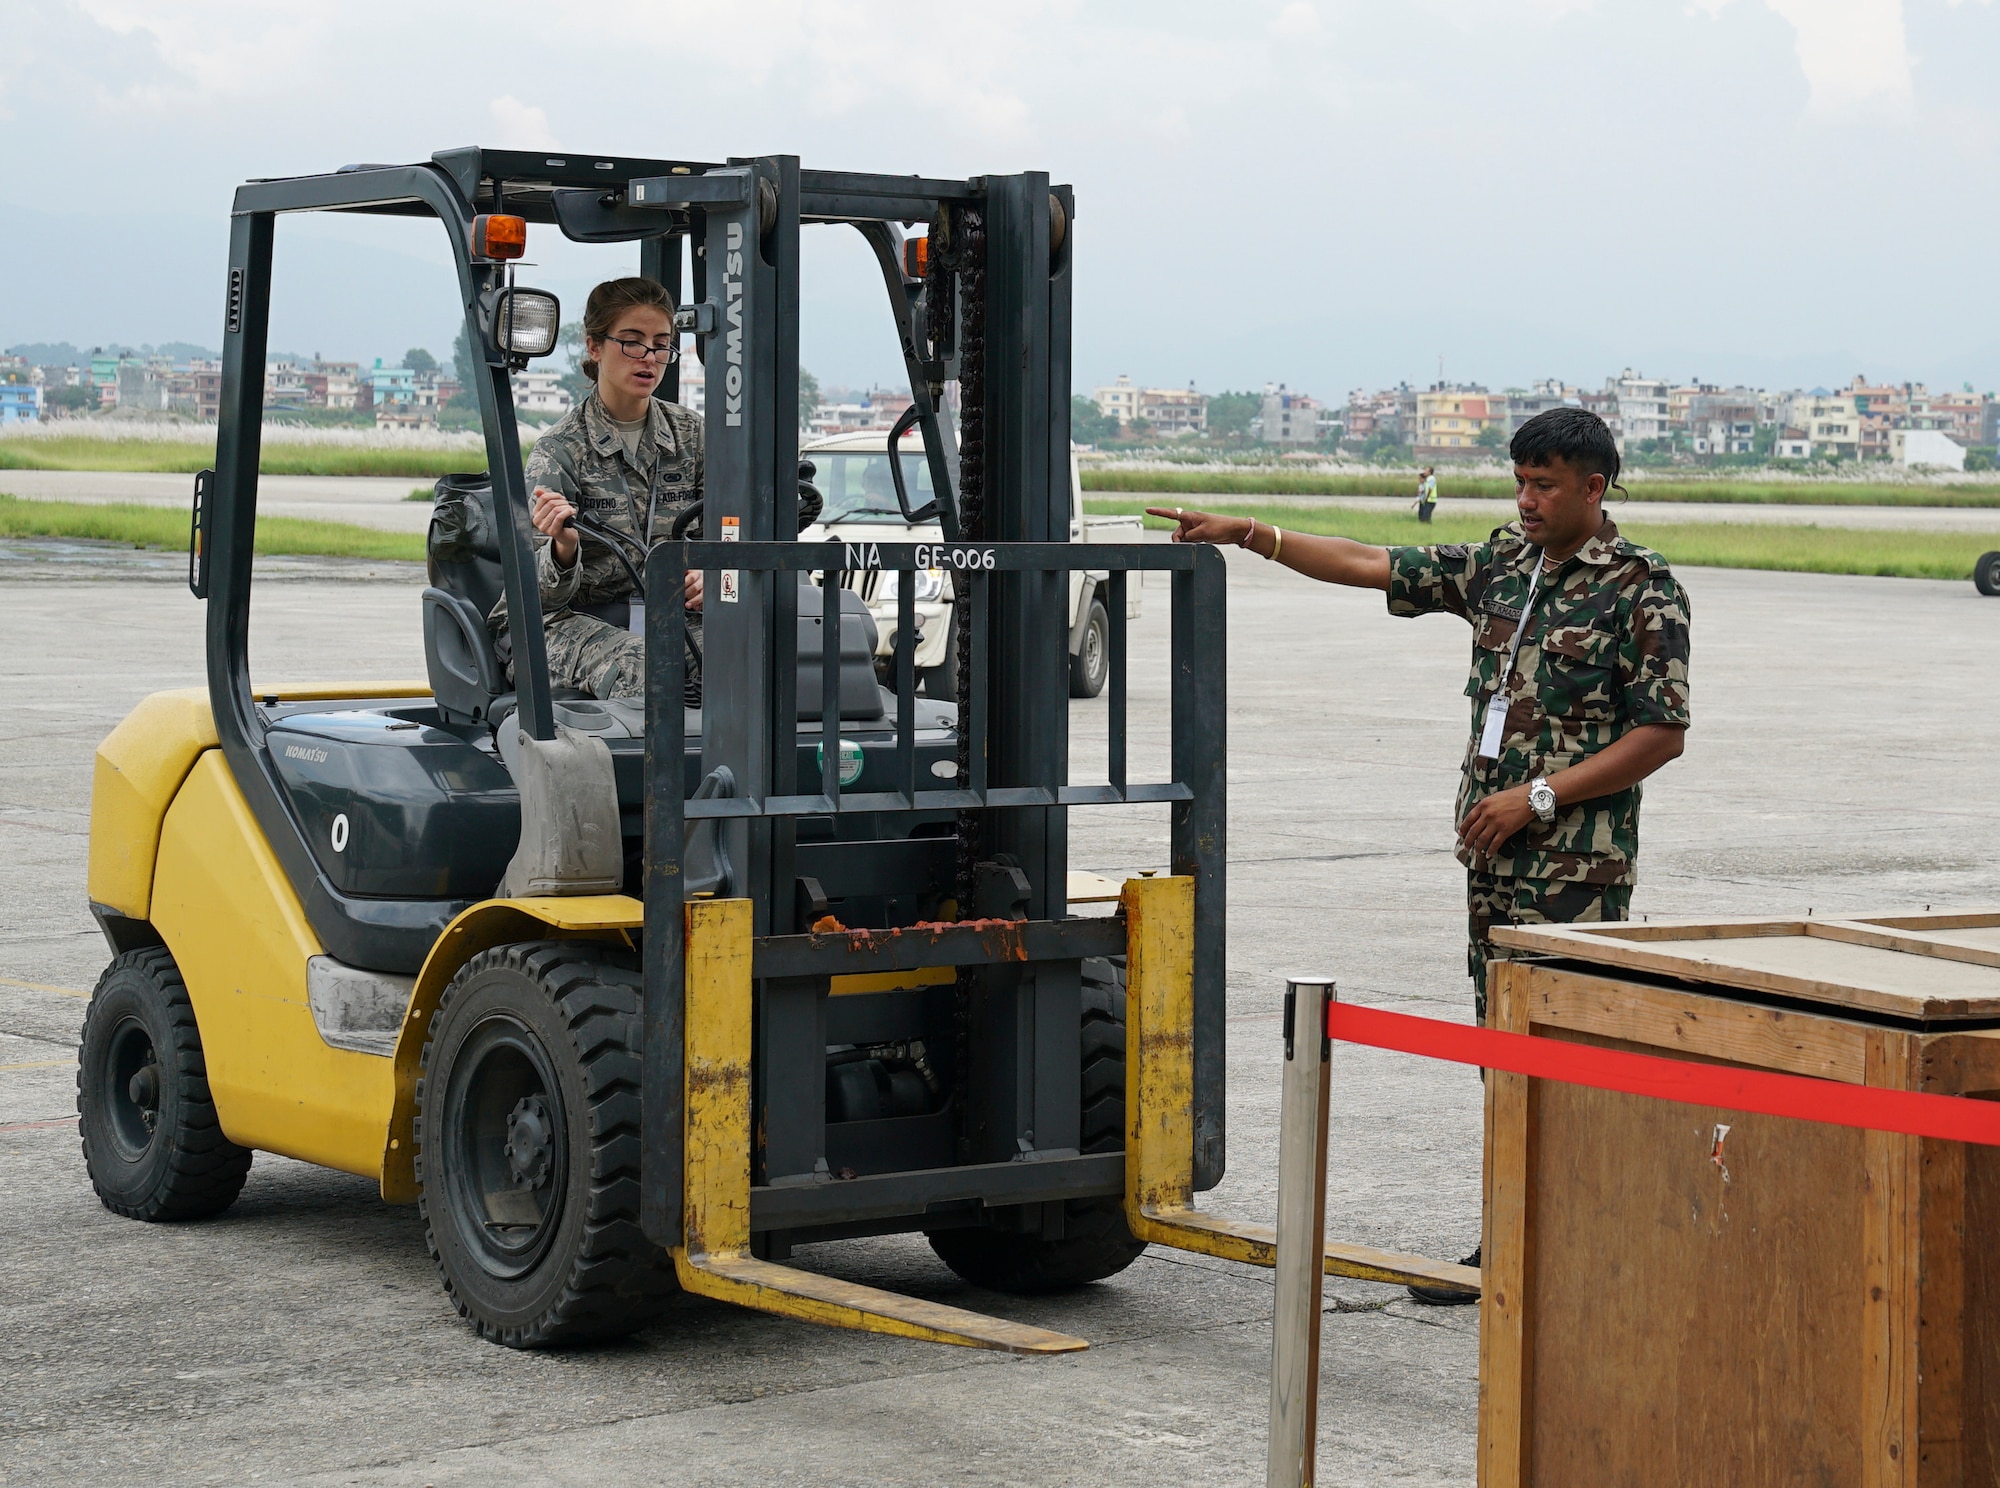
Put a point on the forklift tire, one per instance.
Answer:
(1986, 574)
(1092, 662)
(152, 1142)
(528, 1147)
(1096, 1242)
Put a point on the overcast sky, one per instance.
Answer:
(1325, 194)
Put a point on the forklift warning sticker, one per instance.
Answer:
(732, 531)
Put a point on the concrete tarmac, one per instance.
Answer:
(1841, 760)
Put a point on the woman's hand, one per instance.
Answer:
(548, 512)
(1199, 527)
(692, 589)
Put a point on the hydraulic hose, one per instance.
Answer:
(617, 542)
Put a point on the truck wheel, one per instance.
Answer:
(528, 1147)
(152, 1142)
(1092, 662)
(1986, 574)
(1096, 1242)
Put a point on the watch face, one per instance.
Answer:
(1542, 800)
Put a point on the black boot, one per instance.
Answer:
(1448, 1296)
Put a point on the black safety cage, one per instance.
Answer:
(993, 312)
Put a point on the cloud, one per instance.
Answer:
(1297, 19)
(521, 126)
(1851, 51)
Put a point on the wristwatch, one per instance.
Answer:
(1542, 798)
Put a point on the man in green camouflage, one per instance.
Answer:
(1579, 684)
(623, 460)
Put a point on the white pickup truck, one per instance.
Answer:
(851, 471)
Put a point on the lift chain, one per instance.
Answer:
(966, 229)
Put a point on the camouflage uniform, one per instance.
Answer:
(1606, 651)
(583, 458)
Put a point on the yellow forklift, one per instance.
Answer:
(632, 996)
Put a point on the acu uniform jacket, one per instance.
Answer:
(1604, 651)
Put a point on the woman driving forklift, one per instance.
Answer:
(624, 462)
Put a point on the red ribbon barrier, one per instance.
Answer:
(1951, 1117)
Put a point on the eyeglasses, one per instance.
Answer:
(638, 350)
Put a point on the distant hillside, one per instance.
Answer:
(62, 354)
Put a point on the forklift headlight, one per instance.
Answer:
(930, 583)
(526, 322)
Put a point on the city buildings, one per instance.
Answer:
(1722, 423)
(1288, 417)
(1926, 449)
(1551, 392)
(20, 398)
(1451, 421)
(1173, 413)
(1644, 407)
(537, 394)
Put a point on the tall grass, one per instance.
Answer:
(285, 449)
(1402, 484)
(167, 527)
(1798, 549)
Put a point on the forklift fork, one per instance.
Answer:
(1159, 1107)
(715, 1259)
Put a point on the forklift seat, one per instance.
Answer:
(462, 554)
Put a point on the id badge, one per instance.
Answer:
(1495, 731)
(637, 624)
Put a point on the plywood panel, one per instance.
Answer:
(1805, 966)
(1980, 1435)
(1665, 1020)
(1506, 1247)
(1691, 1325)
(1984, 938)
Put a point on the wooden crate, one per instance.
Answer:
(1814, 1304)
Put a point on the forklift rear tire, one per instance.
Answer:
(1096, 1242)
(528, 1147)
(1092, 662)
(1986, 574)
(152, 1142)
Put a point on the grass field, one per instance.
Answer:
(1807, 549)
(1895, 554)
(1395, 483)
(81, 452)
(167, 527)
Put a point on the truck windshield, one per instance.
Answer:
(858, 488)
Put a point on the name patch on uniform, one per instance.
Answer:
(1493, 606)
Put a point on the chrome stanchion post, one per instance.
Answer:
(1302, 1146)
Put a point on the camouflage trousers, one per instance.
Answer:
(604, 661)
(1492, 900)
(601, 659)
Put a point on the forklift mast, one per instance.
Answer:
(988, 306)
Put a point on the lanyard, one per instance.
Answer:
(1493, 732)
(1527, 609)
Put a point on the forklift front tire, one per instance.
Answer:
(1096, 1242)
(528, 1147)
(152, 1142)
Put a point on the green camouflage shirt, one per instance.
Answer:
(584, 459)
(1606, 650)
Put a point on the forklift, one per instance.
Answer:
(635, 997)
